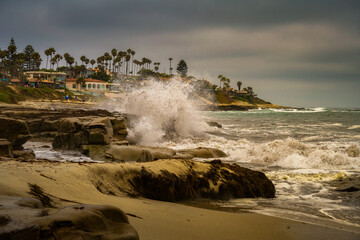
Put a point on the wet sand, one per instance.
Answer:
(72, 182)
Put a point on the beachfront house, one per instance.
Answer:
(51, 79)
(91, 86)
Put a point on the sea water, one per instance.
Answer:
(301, 151)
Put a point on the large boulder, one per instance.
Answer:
(219, 181)
(76, 132)
(179, 179)
(15, 131)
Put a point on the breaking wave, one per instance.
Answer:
(307, 110)
(162, 110)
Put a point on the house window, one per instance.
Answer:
(94, 86)
(89, 86)
(74, 85)
(98, 86)
(83, 86)
(102, 86)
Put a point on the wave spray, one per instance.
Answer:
(162, 110)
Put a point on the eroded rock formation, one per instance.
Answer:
(26, 218)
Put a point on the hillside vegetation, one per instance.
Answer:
(12, 94)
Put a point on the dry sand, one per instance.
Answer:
(154, 219)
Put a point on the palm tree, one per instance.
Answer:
(52, 62)
(221, 79)
(47, 53)
(114, 54)
(239, 85)
(80, 81)
(156, 66)
(82, 59)
(107, 57)
(52, 51)
(170, 59)
(69, 59)
(92, 62)
(132, 58)
(66, 56)
(121, 54)
(137, 65)
(57, 58)
(127, 59)
(86, 62)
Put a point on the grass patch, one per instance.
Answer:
(222, 98)
(8, 95)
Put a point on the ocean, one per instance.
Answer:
(304, 152)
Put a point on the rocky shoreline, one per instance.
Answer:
(127, 170)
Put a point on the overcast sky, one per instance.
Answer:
(300, 53)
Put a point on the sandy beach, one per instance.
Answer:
(68, 183)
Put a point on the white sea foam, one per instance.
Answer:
(294, 110)
(286, 153)
(354, 127)
(162, 110)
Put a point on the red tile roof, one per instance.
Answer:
(86, 80)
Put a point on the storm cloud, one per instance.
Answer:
(300, 53)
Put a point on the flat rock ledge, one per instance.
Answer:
(26, 218)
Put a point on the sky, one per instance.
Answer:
(298, 53)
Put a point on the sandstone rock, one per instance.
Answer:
(98, 136)
(87, 222)
(67, 141)
(23, 114)
(68, 125)
(21, 208)
(200, 153)
(26, 153)
(95, 152)
(49, 125)
(178, 179)
(17, 230)
(159, 152)
(75, 132)
(34, 125)
(5, 148)
(25, 218)
(128, 154)
(119, 127)
(15, 131)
